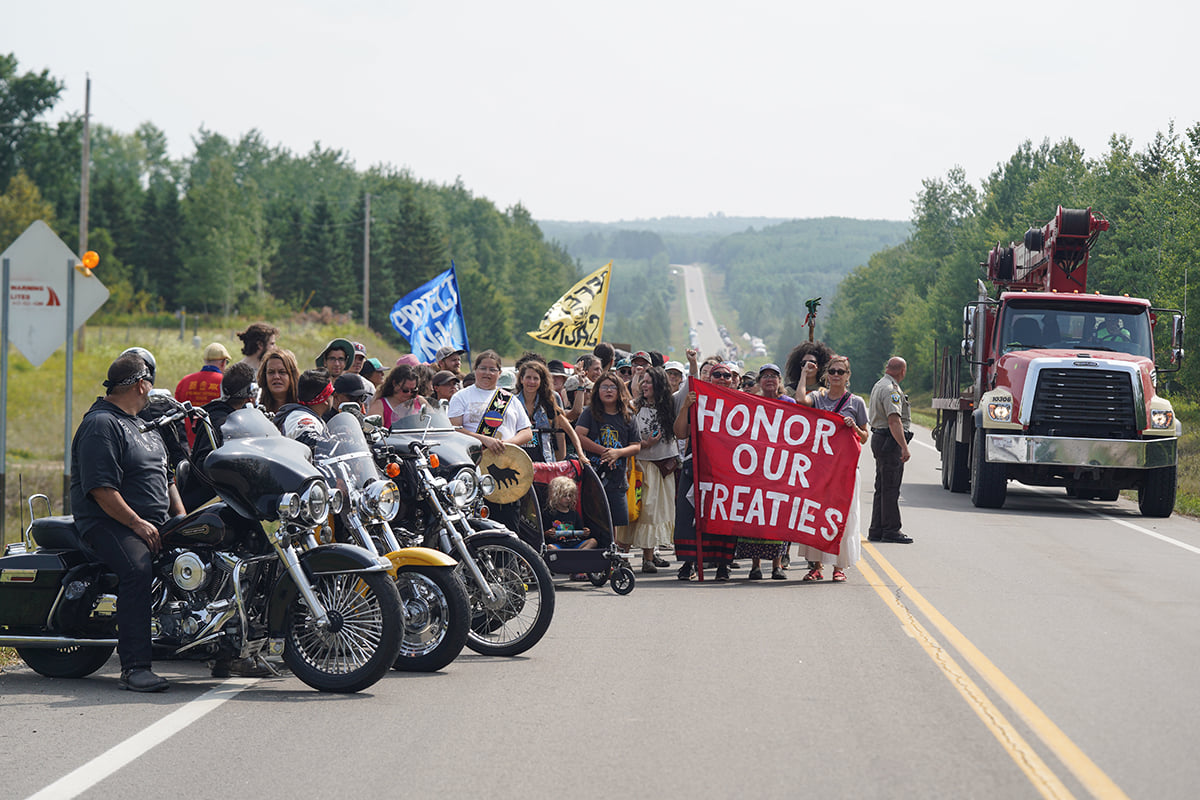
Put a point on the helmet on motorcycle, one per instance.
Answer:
(144, 355)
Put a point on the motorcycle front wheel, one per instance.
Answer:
(520, 614)
(360, 643)
(438, 615)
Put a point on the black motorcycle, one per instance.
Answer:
(442, 506)
(235, 579)
(437, 610)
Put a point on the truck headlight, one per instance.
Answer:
(1000, 411)
(1161, 418)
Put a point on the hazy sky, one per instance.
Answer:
(623, 110)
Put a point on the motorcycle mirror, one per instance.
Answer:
(374, 419)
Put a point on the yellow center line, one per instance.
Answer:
(1084, 769)
(1025, 757)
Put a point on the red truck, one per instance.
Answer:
(1063, 383)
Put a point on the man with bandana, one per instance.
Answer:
(120, 497)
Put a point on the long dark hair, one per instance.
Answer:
(288, 360)
(545, 392)
(397, 376)
(663, 402)
(795, 363)
(623, 399)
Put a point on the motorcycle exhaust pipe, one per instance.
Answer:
(54, 642)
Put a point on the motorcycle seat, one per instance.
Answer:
(59, 533)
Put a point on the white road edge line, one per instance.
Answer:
(85, 777)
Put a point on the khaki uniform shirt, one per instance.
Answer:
(888, 398)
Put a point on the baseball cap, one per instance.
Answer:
(642, 354)
(446, 352)
(336, 344)
(370, 367)
(442, 377)
(408, 358)
(674, 365)
(352, 385)
(215, 352)
(769, 368)
(732, 367)
(507, 379)
(360, 349)
(624, 362)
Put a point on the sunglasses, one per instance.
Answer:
(836, 371)
(625, 371)
(720, 374)
(808, 362)
(402, 390)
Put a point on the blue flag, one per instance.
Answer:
(431, 316)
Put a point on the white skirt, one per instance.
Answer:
(655, 526)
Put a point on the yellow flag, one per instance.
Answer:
(577, 319)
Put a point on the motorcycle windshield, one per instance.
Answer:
(345, 454)
(432, 419)
(433, 428)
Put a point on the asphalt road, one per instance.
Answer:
(1045, 649)
(699, 312)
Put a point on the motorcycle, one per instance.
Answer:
(233, 579)
(442, 496)
(435, 601)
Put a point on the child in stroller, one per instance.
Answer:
(566, 529)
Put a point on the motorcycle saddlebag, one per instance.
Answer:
(30, 583)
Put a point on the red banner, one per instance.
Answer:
(770, 469)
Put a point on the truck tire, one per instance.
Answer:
(989, 486)
(956, 466)
(1156, 497)
(943, 446)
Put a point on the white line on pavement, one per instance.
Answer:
(80, 780)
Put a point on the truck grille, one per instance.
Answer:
(1088, 403)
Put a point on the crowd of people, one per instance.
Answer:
(627, 415)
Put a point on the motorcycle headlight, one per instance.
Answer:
(289, 505)
(337, 501)
(487, 484)
(315, 501)
(1161, 418)
(382, 500)
(470, 481)
(459, 492)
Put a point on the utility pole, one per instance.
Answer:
(85, 176)
(367, 265)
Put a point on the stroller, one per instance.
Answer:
(607, 565)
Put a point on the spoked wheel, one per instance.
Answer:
(623, 580)
(437, 613)
(523, 605)
(65, 662)
(361, 641)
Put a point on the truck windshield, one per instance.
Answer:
(1070, 326)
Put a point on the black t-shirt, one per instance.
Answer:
(567, 520)
(612, 431)
(109, 451)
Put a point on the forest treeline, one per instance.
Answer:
(908, 297)
(770, 266)
(244, 226)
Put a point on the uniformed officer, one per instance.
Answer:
(889, 420)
